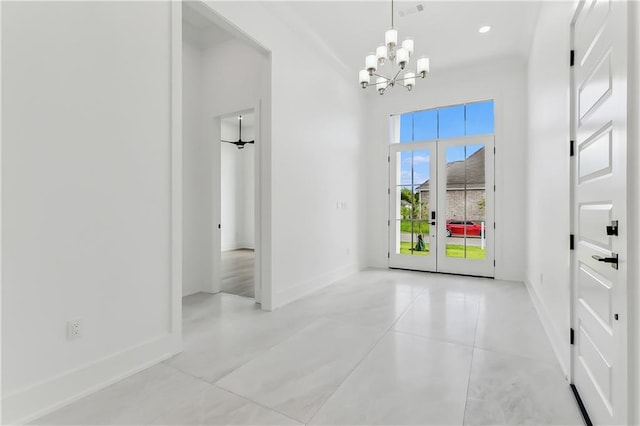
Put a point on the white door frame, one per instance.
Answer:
(263, 168)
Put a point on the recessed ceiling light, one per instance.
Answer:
(484, 29)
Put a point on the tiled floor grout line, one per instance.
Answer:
(473, 350)
(214, 384)
(257, 403)
(432, 339)
(375, 345)
(528, 358)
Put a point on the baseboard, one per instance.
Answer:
(43, 398)
(311, 285)
(239, 246)
(558, 342)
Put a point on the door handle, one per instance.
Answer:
(613, 260)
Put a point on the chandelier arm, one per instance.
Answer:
(403, 79)
(396, 76)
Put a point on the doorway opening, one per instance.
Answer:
(223, 189)
(441, 188)
(237, 203)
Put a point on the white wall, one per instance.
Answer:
(501, 80)
(316, 144)
(197, 272)
(86, 172)
(237, 188)
(548, 188)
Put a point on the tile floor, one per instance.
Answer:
(381, 347)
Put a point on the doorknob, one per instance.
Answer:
(613, 260)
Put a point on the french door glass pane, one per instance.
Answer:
(412, 202)
(406, 168)
(465, 202)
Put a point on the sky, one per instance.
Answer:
(449, 122)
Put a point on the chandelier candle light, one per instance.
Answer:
(395, 55)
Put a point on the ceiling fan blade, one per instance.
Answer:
(234, 142)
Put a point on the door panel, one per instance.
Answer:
(599, 196)
(412, 241)
(465, 205)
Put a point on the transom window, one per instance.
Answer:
(475, 118)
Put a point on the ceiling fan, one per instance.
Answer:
(239, 143)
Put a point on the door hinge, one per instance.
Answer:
(571, 241)
(389, 223)
(388, 255)
(572, 55)
(494, 149)
(494, 225)
(388, 159)
(389, 191)
(494, 188)
(571, 149)
(571, 335)
(494, 263)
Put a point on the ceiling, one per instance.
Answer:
(445, 31)
(248, 121)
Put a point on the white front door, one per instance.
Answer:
(599, 121)
(441, 206)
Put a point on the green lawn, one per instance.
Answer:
(473, 252)
(453, 250)
(405, 248)
(418, 227)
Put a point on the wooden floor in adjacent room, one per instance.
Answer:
(238, 272)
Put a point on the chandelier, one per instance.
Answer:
(391, 53)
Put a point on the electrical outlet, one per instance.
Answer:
(74, 329)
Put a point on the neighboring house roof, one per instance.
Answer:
(471, 171)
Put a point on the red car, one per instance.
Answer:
(462, 228)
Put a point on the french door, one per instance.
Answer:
(441, 205)
(599, 262)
